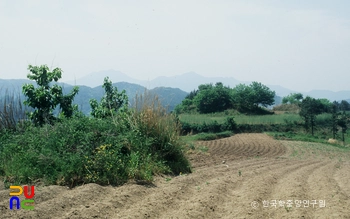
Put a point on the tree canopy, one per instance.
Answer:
(110, 103)
(293, 98)
(250, 97)
(45, 98)
(211, 98)
(310, 108)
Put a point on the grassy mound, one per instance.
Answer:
(136, 144)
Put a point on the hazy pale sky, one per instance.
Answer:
(301, 45)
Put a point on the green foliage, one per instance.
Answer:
(310, 108)
(293, 98)
(326, 105)
(135, 144)
(248, 98)
(212, 136)
(45, 98)
(241, 118)
(343, 122)
(335, 118)
(192, 95)
(186, 105)
(213, 98)
(212, 127)
(110, 103)
(344, 105)
(12, 111)
(289, 108)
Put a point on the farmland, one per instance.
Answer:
(231, 178)
(141, 162)
(247, 119)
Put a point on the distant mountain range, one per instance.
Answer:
(190, 81)
(168, 97)
(170, 90)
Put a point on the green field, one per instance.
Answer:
(246, 119)
(240, 119)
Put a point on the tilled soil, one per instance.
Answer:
(244, 176)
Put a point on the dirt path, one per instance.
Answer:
(238, 177)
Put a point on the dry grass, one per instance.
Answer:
(154, 118)
(12, 110)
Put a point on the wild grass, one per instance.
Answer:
(306, 150)
(320, 136)
(207, 136)
(135, 144)
(12, 110)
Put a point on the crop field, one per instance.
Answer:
(246, 119)
(242, 176)
(240, 119)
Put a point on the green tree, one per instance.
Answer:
(45, 98)
(326, 105)
(110, 103)
(191, 95)
(293, 98)
(213, 98)
(310, 108)
(344, 105)
(335, 118)
(343, 123)
(251, 97)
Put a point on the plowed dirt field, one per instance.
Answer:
(244, 176)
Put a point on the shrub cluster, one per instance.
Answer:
(82, 150)
(230, 125)
(214, 127)
(116, 144)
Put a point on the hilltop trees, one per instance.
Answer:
(249, 98)
(45, 98)
(293, 98)
(211, 98)
(343, 123)
(344, 105)
(335, 118)
(309, 109)
(339, 119)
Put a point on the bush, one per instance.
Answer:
(134, 144)
(214, 126)
(230, 124)
(213, 136)
(45, 98)
(12, 111)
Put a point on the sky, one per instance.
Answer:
(301, 45)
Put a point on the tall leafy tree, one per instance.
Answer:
(310, 108)
(343, 123)
(45, 98)
(344, 105)
(213, 98)
(326, 105)
(335, 118)
(261, 95)
(251, 97)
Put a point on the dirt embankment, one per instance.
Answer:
(237, 177)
